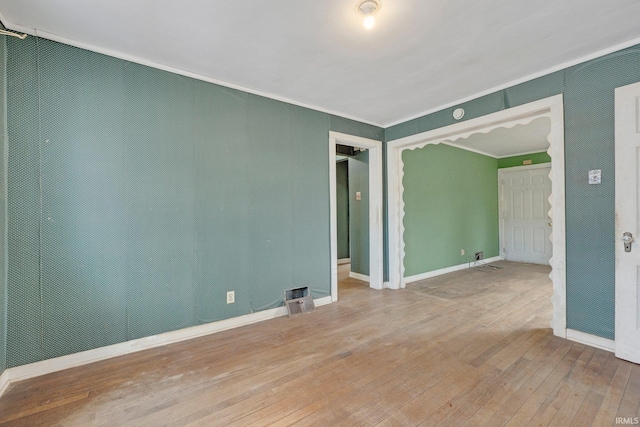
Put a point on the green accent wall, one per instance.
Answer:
(137, 198)
(359, 212)
(342, 207)
(536, 158)
(451, 203)
(588, 90)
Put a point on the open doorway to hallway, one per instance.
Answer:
(372, 225)
(352, 202)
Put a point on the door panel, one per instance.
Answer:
(627, 142)
(527, 227)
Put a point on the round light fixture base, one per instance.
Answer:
(458, 113)
(368, 8)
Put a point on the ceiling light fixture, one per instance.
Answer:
(368, 8)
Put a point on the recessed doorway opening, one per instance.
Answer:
(375, 238)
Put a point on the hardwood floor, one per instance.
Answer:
(470, 348)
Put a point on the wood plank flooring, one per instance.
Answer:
(472, 348)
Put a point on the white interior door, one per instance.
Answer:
(627, 134)
(525, 214)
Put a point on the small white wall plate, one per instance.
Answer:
(458, 113)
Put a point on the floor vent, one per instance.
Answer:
(298, 301)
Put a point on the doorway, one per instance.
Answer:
(627, 174)
(525, 225)
(352, 201)
(374, 149)
(551, 108)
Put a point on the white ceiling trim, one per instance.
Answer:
(131, 58)
(527, 78)
(522, 154)
(35, 32)
(466, 148)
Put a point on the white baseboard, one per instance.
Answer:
(344, 261)
(4, 382)
(591, 340)
(32, 370)
(434, 273)
(359, 276)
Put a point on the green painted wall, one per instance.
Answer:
(359, 212)
(3, 198)
(451, 203)
(588, 90)
(536, 158)
(137, 198)
(342, 207)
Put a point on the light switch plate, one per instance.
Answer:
(595, 176)
(358, 195)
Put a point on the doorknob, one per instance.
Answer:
(627, 238)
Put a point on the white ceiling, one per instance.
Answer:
(421, 56)
(503, 142)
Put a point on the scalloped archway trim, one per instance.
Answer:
(552, 108)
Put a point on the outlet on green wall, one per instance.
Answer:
(137, 198)
(451, 204)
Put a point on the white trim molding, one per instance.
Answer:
(441, 271)
(376, 242)
(591, 340)
(552, 108)
(343, 261)
(359, 276)
(32, 370)
(4, 382)
(159, 66)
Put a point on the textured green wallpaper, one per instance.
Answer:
(451, 203)
(359, 212)
(342, 207)
(24, 308)
(3, 198)
(536, 158)
(588, 91)
(137, 198)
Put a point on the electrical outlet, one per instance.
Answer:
(479, 255)
(231, 297)
(461, 252)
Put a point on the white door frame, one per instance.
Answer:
(627, 295)
(375, 208)
(501, 206)
(552, 108)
